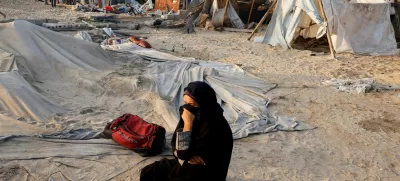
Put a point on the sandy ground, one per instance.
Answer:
(357, 135)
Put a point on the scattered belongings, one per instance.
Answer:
(359, 86)
(148, 5)
(111, 38)
(140, 42)
(114, 41)
(80, 7)
(103, 18)
(216, 15)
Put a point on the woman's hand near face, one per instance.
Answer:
(188, 119)
(196, 160)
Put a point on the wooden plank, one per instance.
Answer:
(64, 5)
(238, 30)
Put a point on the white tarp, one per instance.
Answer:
(56, 90)
(357, 28)
(360, 28)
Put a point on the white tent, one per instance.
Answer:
(354, 27)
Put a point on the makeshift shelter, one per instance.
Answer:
(353, 27)
(220, 12)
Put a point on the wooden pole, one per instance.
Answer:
(226, 9)
(251, 11)
(4, 15)
(263, 18)
(328, 35)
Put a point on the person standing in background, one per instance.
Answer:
(53, 3)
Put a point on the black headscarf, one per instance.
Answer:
(211, 134)
(205, 96)
(208, 116)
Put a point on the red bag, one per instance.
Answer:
(134, 133)
(139, 42)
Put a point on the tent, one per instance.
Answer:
(219, 11)
(354, 27)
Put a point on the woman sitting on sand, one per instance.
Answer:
(202, 142)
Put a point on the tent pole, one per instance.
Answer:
(251, 11)
(328, 35)
(226, 9)
(263, 18)
(4, 15)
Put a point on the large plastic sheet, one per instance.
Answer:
(242, 95)
(166, 77)
(36, 57)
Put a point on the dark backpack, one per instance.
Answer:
(133, 132)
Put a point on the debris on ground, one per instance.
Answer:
(359, 86)
(83, 35)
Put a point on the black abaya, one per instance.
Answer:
(211, 139)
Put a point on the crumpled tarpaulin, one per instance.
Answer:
(43, 57)
(241, 95)
(356, 28)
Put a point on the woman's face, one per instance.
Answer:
(190, 101)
